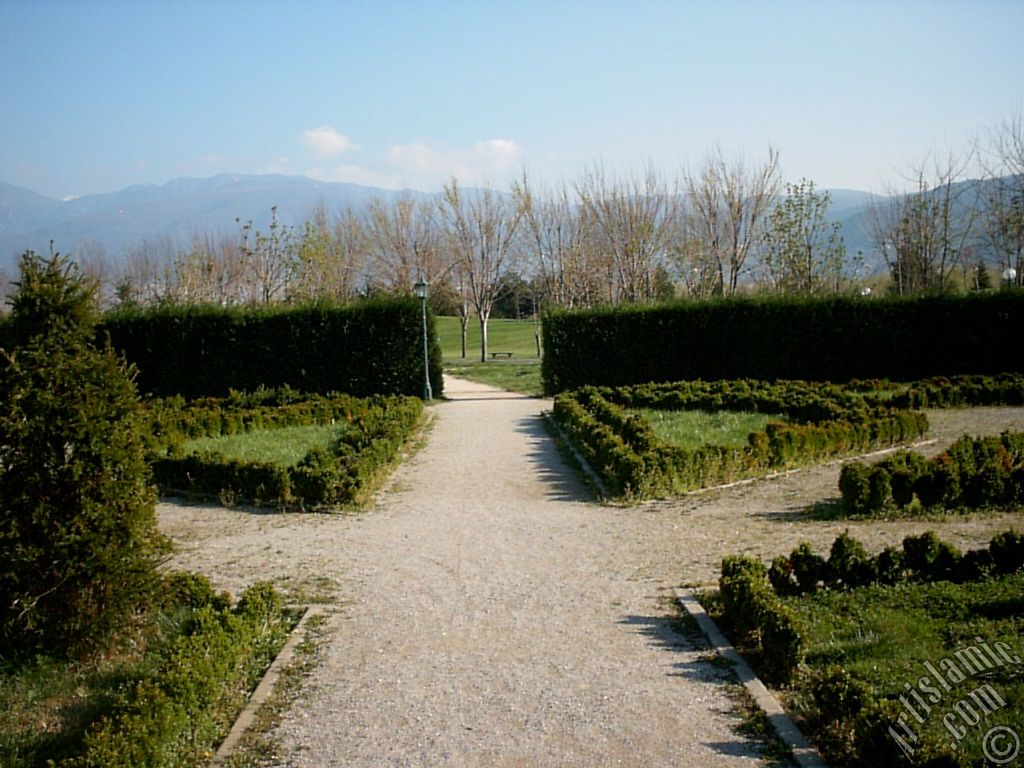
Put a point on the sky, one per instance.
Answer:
(98, 95)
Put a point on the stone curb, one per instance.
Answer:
(266, 686)
(805, 755)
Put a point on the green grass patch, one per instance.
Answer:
(503, 335)
(286, 446)
(515, 377)
(883, 637)
(692, 429)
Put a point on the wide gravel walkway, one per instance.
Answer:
(490, 618)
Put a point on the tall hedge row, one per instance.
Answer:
(833, 339)
(374, 347)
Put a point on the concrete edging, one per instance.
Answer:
(266, 685)
(805, 755)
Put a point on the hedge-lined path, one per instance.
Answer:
(493, 621)
(491, 616)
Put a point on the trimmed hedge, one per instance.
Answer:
(758, 619)
(373, 347)
(377, 428)
(176, 715)
(828, 421)
(972, 473)
(752, 596)
(831, 339)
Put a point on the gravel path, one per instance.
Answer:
(488, 614)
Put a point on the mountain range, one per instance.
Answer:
(175, 211)
(111, 223)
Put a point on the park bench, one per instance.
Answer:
(506, 355)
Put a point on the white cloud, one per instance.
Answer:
(427, 166)
(480, 162)
(355, 174)
(326, 140)
(280, 165)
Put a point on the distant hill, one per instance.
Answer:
(114, 222)
(177, 210)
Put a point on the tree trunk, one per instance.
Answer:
(464, 322)
(483, 336)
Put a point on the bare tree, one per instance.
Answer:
(146, 273)
(726, 204)
(556, 242)
(480, 228)
(401, 240)
(270, 259)
(331, 257)
(925, 235)
(1004, 206)
(212, 271)
(633, 218)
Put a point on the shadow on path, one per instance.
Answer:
(552, 471)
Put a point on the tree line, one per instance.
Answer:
(723, 226)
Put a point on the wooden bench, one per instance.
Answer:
(506, 355)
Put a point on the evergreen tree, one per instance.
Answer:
(78, 536)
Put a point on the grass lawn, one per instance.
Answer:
(884, 636)
(286, 446)
(692, 429)
(515, 377)
(515, 336)
(520, 373)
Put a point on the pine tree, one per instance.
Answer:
(78, 536)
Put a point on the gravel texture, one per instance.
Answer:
(487, 613)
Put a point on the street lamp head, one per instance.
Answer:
(420, 289)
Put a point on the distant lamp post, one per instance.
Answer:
(420, 289)
(1009, 276)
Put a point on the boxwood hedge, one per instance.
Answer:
(340, 475)
(826, 421)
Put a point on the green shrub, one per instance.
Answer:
(376, 429)
(817, 339)
(177, 714)
(809, 570)
(1007, 551)
(758, 618)
(78, 536)
(826, 421)
(849, 564)
(971, 473)
(372, 347)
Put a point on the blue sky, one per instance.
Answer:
(95, 96)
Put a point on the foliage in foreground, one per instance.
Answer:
(166, 705)
(175, 716)
(852, 635)
(370, 435)
(78, 537)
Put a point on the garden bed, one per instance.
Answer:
(278, 447)
(913, 652)
(792, 424)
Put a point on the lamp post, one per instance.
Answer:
(1009, 276)
(420, 289)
